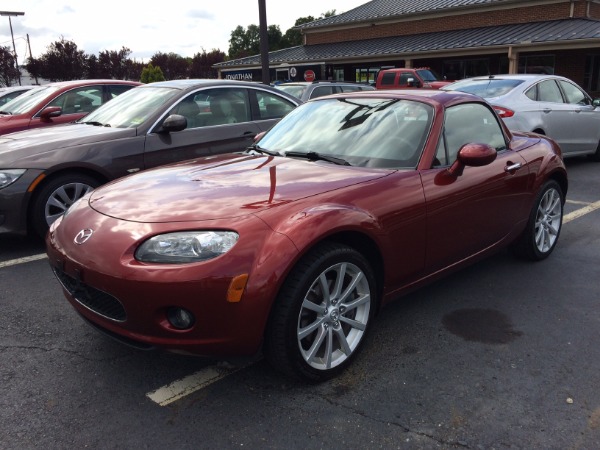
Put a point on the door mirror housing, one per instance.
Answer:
(473, 155)
(173, 123)
(50, 112)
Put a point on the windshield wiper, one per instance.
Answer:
(314, 156)
(6, 113)
(259, 149)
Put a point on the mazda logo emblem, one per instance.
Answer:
(83, 236)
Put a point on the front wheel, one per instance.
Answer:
(55, 197)
(322, 314)
(543, 227)
(596, 155)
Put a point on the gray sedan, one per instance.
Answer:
(546, 104)
(44, 171)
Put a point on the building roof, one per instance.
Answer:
(548, 32)
(376, 10)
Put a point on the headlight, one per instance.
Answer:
(186, 246)
(9, 176)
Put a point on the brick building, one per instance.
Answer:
(456, 38)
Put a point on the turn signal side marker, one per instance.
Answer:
(236, 288)
(35, 182)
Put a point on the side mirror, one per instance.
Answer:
(173, 123)
(473, 155)
(50, 112)
(596, 102)
(410, 82)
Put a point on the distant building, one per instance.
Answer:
(456, 38)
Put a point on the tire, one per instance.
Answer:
(543, 227)
(56, 196)
(314, 335)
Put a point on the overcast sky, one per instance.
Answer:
(183, 27)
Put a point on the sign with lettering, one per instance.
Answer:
(309, 75)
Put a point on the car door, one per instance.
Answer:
(583, 120)
(471, 212)
(220, 122)
(268, 107)
(554, 116)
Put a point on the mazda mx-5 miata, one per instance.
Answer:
(291, 247)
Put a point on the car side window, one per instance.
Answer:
(320, 91)
(190, 109)
(79, 100)
(224, 106)
(466, 124)
(548, 91)
(404, 77)
(350, 88)
(271, 106)
(117, 89)
(574, 95)
(388, 78)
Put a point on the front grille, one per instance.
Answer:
(93, 299)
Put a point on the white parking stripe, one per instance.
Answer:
(180, 388)
(14, 262)
(581, 212)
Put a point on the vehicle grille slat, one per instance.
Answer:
(93, 299)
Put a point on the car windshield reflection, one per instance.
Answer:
(382, 133)
(24, 102)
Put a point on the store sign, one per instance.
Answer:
(239, 76)
(293, 72)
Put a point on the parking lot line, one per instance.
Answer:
(14, 262)
(581, 212)
(192, 383)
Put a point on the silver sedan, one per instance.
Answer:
(546, 104)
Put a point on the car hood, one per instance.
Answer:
(22, 145)
(221, 187)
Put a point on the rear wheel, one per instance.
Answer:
(56, 196)
(545, 222)
(322, 314)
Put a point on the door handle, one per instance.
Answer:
(547, 110)
(510, 167)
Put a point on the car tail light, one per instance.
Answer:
(504, 112)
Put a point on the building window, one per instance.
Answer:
(539, 64)
(366, 74)
(457, 69)
(591, 77)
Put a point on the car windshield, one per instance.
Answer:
(24, 102)
(428, 75)
(373, 132)
(486, 87)
(132, 108)
(293, 89)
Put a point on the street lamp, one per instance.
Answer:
(9, 14)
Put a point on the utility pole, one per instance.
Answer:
(264, 42)
(31, 57)
(12, 14)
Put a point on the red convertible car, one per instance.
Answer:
(293, 246)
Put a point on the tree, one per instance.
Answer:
(293, 37)
(201, 65)
(246, 42)
(150, 74)
(174, 66)
(114, 64)
(8, 69)
(62, 62)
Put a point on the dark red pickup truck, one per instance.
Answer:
(409, 79)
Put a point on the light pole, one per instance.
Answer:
(9, 14)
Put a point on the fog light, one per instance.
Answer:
(180, 318)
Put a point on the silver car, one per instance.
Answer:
(546, 104)
(306, 91)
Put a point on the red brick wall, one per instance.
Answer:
(459, 22)
(595, 10)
